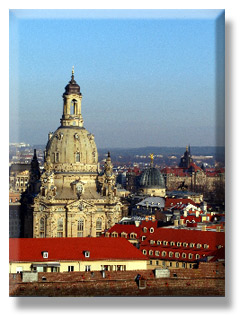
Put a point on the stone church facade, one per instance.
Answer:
(71, 198)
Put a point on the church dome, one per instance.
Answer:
(152, 178)
(72, 149)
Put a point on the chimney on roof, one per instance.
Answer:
(218, 229)
(137, 223)
(182, 221)
(175, 222)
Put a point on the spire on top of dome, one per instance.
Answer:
(73, 75)
(72, 87)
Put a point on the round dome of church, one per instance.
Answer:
(152, 178)
(73, 146)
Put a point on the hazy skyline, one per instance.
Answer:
(148, 78)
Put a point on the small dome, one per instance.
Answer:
(152, 178)
(72, 87)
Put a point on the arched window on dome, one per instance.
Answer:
(77, 157)
(73, 107)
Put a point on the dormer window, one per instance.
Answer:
(87, 254)
(45, 254)
(132, 236)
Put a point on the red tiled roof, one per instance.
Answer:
(128, 229)
(218, 254)
(181, 172)
(135, 170)
(212, 238)
(120, 228)
(30, 249)
(195, 167)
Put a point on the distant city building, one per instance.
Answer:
(152, 182)
(19, 177)
(186, 160)
(148, 206)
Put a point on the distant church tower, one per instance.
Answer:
(186, 160)
(71, 201)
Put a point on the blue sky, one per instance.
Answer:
(148, 77)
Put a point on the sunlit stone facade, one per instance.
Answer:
(74, 198)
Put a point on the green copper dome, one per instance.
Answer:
(152, 178)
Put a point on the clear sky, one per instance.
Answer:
(148, 78)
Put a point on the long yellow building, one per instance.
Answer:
(74, 254)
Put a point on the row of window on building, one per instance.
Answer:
(171, 264)
(56, 157)
(71, 268)
(171, 254)
(178, 244)
(60, 227)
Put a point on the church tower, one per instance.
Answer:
(186, 160)
(72, 104)
(69, 202)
